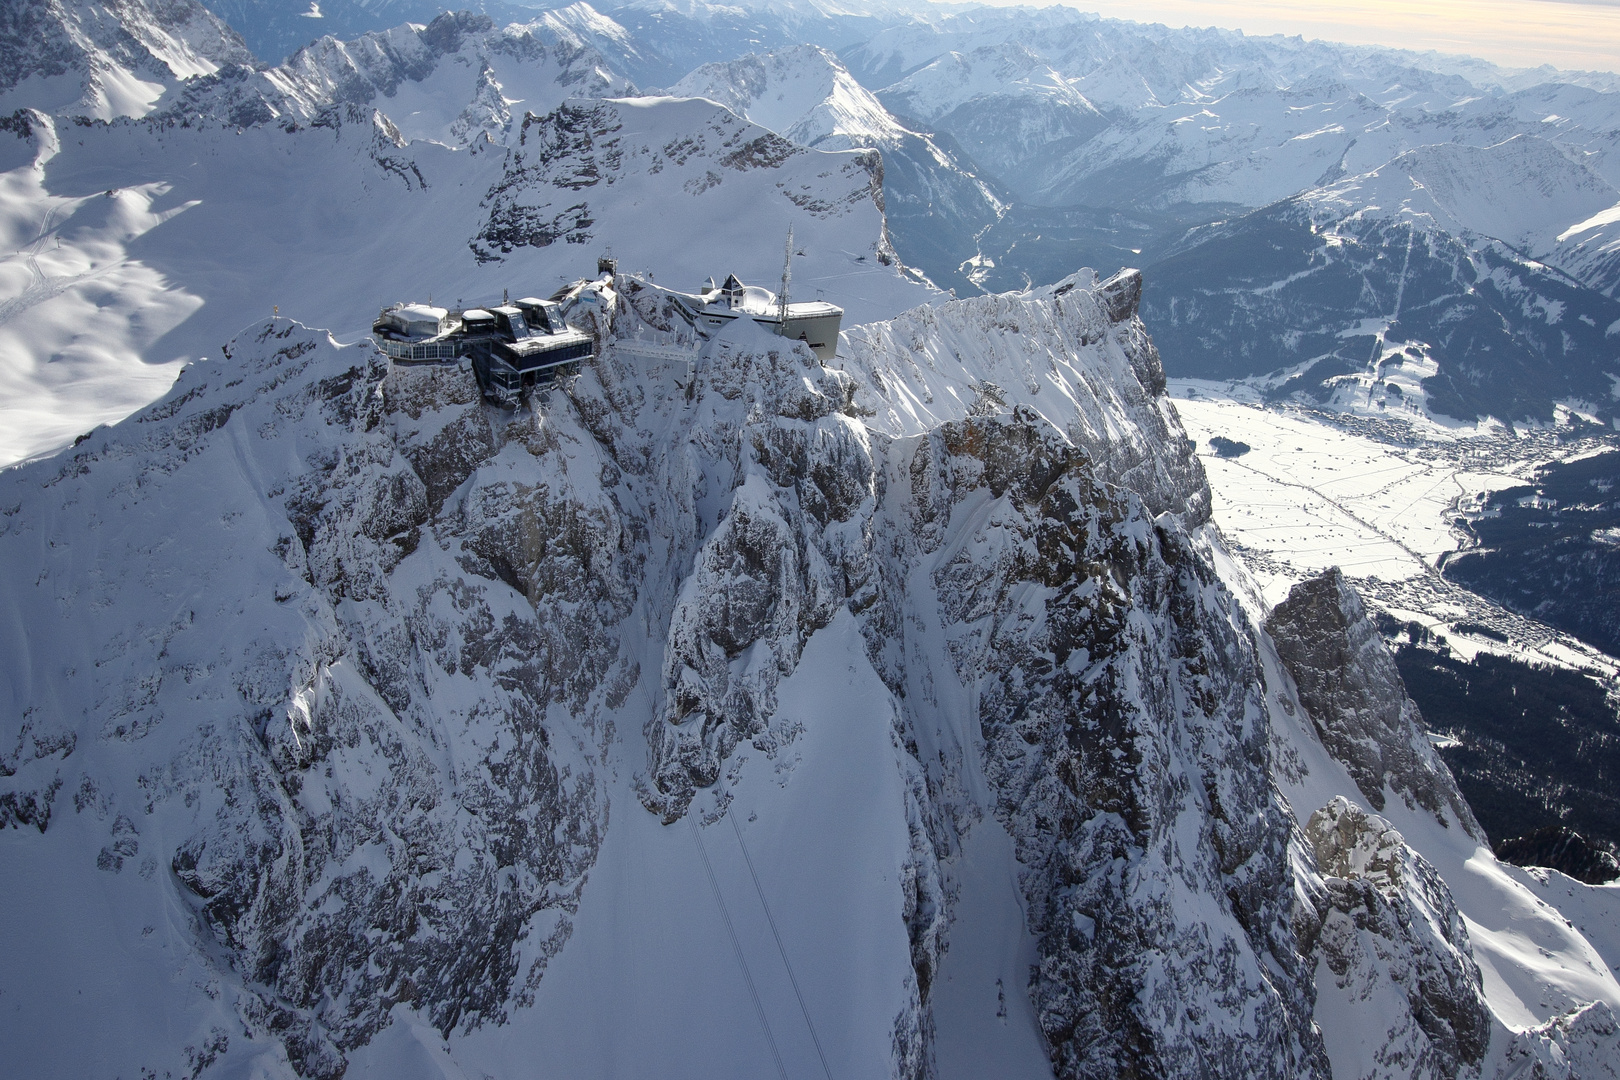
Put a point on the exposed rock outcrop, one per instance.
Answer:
(1126, 747)
(1353, 693)
(340, 858)
(788, 553)
(1581, 1045)
(1393, 945)
(1565, 850)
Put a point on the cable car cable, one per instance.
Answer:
(736, 947)
(778, 936)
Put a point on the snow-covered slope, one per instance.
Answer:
(1201, 115)
(1524, 191)
(1006, 106)
(1149, 130)
(133, 246)
(1590, 250)
(903, 717)
(1367, 301)
(673, 37)
(1117, 138)
(727, 707)
(107, 58)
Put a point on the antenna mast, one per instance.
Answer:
(787, 275)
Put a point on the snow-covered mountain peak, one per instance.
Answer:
(357, 792)
(890, 716)
(926, 651)
(807, 95)
(108, 58)
(791, 9)
(583, 27)
(617, 172)
(235, 218)
(1525, 191)
(582, 18)
(955, 79)
(897, 51)
(456, 81)
(803, 93)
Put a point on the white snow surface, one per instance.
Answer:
(956, 79)
(1314, 492)
(1200, 115)
(649, 981)
(132, 249)
(1525, 191)
(1318, 496)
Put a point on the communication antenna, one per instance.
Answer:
(787, 276)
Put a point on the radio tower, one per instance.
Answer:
(787, 275)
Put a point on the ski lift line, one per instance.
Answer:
(736, 948)
(792, 978)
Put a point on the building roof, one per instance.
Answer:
(812, 309)
(418, 312)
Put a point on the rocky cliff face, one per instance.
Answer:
(112, 58)
(1124, 744)
(351, 762)
(1391, 942)
(352, 662)
(1350, 687)
(1104, 669)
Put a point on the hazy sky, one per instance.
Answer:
(1519, 33)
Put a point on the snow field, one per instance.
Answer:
(77, 311)
(1310, 496)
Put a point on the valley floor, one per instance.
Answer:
(1297, 490)
(1306, 489)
